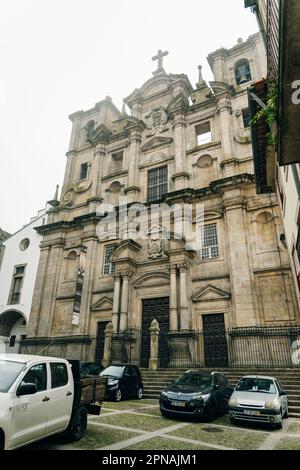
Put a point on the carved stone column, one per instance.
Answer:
(184, 313)
(124, 301)
(116, 302)
(154, 342)
(173, 298)
(108, 333)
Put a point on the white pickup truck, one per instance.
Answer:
(41, 396)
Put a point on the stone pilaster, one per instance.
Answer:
(184, 311)
(124, 301)
(180, 177)
(173, 298)
(239, 259)
(132, 191)
(116, 302)
(225, 112)
(97, 169)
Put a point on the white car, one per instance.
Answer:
(259, 398)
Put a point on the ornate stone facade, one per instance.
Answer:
(243, 275)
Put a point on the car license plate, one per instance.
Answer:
(178, 403)
(251, 412)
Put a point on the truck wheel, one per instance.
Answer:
(77, 426)
(139, 393)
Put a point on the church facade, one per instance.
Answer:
(178, 145)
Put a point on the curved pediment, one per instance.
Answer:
(210, 292)
(152, 279)
(105, 303)
(125, 249)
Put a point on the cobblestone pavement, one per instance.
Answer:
(138, 425)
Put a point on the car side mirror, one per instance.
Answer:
(26, 389)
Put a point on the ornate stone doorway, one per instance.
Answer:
(100, 341)
(157, 308)
(215, 344)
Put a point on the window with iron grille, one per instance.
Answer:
(16, 286)
(83, 171)
(108, 267)
(157, 183)
(209, 242)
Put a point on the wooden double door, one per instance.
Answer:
(215, 342)
(156, 308)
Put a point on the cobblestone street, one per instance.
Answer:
(134, 425)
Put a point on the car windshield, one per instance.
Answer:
(9, 371)
(196, 380)
(256, 385)
(113, 371)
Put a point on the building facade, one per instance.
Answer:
(277, 166)
(17, 277)
(179, 145)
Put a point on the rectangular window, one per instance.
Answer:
(83, 171)
(246, 117)
(108, 267)
(16, 286)
(157, 183)
(209, 242)
(59, 374)
(12, 341)
(203, 133)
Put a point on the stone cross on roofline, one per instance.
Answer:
(159, 58)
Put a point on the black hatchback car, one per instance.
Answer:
(124, 381)
(196, 394)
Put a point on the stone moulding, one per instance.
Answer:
(50, 340)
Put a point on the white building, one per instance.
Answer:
(17, 278)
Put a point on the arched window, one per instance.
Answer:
(242, 72)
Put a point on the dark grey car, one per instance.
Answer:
(196, 394)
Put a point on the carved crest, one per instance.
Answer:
(156, 121)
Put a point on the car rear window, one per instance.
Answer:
(59, 374)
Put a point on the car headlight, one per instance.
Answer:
(273, 405)
(113, 382)
(233, 402)
(204, 397)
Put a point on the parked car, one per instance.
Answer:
(41, 396)
(124, 381)
(259, 399)
(90, 368)
(196, 394)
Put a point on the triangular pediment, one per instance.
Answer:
(101, 133)
(210, 293)
(105, 303)
(157, 141)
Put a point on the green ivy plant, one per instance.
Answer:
(270, 112)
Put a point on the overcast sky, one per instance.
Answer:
(59, 56)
